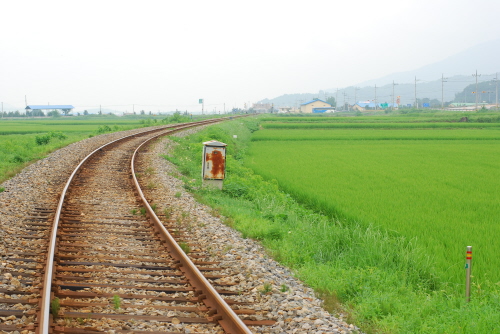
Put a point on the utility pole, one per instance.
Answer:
(337, 100)
(496, 95)
(416, 102)
(477, 95)
(393, 84)
(355, 90)
(344, 103)
(376, 106)
(442, 90)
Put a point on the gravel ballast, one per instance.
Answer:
(295, 311)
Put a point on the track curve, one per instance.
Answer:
(76, 267)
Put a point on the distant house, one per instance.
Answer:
(262, 107)
(316, 106)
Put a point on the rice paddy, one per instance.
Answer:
(437, 186)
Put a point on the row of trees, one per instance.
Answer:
(486, 93)
(39, 113)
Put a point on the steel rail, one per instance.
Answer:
(222, 312)
(44, 320)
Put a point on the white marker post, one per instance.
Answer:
(468, 264)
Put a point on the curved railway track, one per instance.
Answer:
(111, 263)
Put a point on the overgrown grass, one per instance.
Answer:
(18, 151)
(386, 281)
(23, 141)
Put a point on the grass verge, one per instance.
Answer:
(383, 280)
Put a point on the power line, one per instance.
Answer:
(442, 90)
(477, 95)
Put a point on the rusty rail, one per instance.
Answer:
(44, 319)
(222, 312)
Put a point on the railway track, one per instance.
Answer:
(116, 268)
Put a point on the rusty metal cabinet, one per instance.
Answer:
(214, 161)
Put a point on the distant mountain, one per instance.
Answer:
(483, 57)
(457, 71)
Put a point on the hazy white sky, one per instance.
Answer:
(165, 55)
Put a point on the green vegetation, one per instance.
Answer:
(25, 140)
(185, 247)
(168, 212)
(266, 288)
(379, 271)
(117, 302)
(55, 306)
(418, 189)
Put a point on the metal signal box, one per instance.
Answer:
(214, 163)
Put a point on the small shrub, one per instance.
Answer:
(17, 159)
(59, 135)
(133, 211)
(185, 247)
(266, 288)
(215, 212)
(2, 189)
(42, 139)
(149, 171)
(274, 234)
(117, 301)
(55, 306)
(103, 129)
(143, 211)
(284, 288)
(154, 206)
(178, 194)
(236, 188)
(168, 212)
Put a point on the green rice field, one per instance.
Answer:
(24, 140)
(438, 186)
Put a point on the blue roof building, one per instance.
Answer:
(49, 107)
